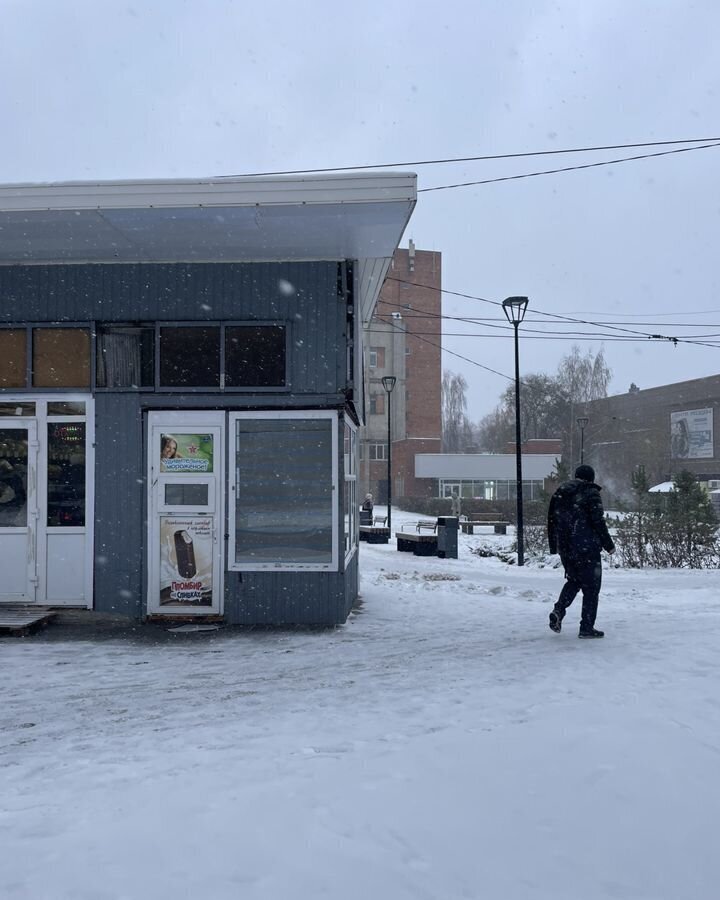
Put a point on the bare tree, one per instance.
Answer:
(456, 429)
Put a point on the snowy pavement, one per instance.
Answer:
(443, 744)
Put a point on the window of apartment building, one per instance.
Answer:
(283, 506)
(377, 358)
(377, 404)
(377, 451)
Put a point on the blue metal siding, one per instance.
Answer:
(316, 316)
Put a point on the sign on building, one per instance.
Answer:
(691, 434)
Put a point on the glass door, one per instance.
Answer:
(185, 546)
(18, 511)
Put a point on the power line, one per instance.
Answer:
(464, 159)
(606, 162)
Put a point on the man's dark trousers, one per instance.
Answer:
(582, 575)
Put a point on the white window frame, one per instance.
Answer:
(290, 415)
(373, 447)
(350, 475)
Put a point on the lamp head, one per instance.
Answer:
(514, 309)
(582, 421)
(388, 382)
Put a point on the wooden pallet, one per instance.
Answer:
(19, 619)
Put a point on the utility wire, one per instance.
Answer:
(464, 159)
(670, 338)
(606, 162)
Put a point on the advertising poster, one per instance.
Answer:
(186, 560)
(186, 453)
(691, 434)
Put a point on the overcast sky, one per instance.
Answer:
(98, 89)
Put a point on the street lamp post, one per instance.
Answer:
(582, 422)
(514, 309)
(388, 382)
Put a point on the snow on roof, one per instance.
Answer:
(664, 487)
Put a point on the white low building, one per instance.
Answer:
(485, 476)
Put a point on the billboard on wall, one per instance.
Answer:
(186, 560)
(186, 453)
(691, 434)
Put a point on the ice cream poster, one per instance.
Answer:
(186, 453)
(186, 560)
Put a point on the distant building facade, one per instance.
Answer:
(484, 476)
(666, 429)
(403, 339)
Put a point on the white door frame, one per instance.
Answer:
(187, 422)
(30, 529)
(39, 488)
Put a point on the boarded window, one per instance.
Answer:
(254, 356)
(61, 358)
(190, 357)
(13, 358)
(125, 356)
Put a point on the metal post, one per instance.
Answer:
(388, 382)
(518, 453)
(389, 461)
(514, 309)
(582, 422)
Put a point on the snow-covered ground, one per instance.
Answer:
(443, 744)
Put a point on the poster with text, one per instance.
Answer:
(186, 560)
(186, 453)
(691, 434)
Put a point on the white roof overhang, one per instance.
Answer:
(259, 219)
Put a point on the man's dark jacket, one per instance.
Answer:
(576, 522)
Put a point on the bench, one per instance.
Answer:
(374, 534)
(379, 520)
(468, 527)
(418, 544)
(426, 524)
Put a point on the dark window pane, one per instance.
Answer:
(190, 357)
(284, 495)
(13, 408)
(66, 474)
(186, 494)
(255, 356)
(125, 357)
(66, 409)
(13, 358)
(13, 477)
(61, 357)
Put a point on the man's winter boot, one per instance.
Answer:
(556, 621)
(590, 633)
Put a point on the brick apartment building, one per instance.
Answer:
(403, 339)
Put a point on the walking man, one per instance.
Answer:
(577, 531)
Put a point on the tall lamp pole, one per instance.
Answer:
(388, 382)
(514, 309)
(582, 422)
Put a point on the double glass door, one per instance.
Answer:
(45, 495)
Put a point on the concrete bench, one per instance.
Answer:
(418, 544)
(468, 527)
(374, 534)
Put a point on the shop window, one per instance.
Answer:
(255, 356)
(13, 408)
(61, 358)
(13, 358)
(66, 474)
(125, 356)
(66, 409)
(190, 356)
(285, 491)
(13, 477)
(350, 503)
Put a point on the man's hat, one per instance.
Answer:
(585, 473)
